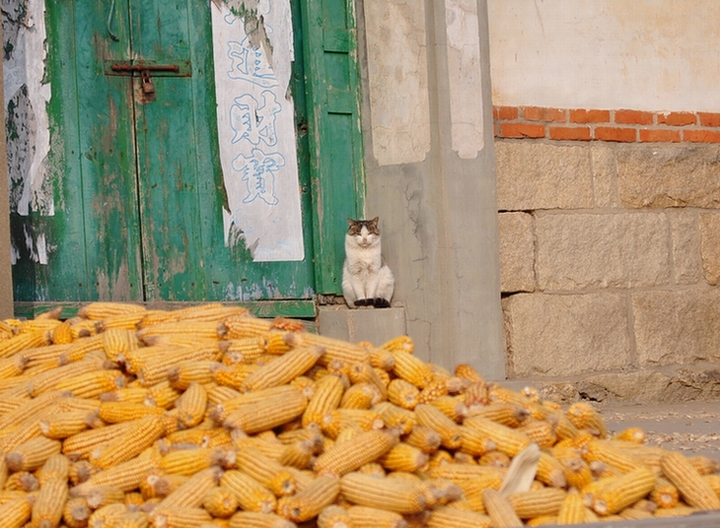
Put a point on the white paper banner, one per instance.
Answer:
(256, 128)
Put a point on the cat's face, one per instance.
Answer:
(364, 232)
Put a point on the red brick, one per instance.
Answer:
(574, 133)
(701, 136)
(521, 130)
(589, 116)
(537, 113)
(677, 119)
(662, 135)
(506, 113)
(623, 134)
(709, 119)
(633, 117)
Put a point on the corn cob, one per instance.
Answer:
(234, 374)
(266, 471)
(140, 435)
(704, 465)
(365, 373)
(572, 509)
(76, 513)
(161, 395)
(56, 466)
(23, 342)
(396, 417)
(197, 329)
(424, 438)
(681, 510)
(624, 491)
(308, 503)
(179, 516)
(133, 519)
(267, 414)
(187, 372)
(220, 502)
(605, 452)
(283, 369)
(695, 490)
(15, 513)
(342, 458)
(243, 326)
(276, 343)
(100, 496)
(584, 416)
(536, 503)
(188, 461)
(100, 310)
(334, 516)
(449, 431)
(49, 380)
(412, 369)
(245, 350)
(92, 384)
(539, 431)
(76, 351)
(474, 442)
(388, 494)
(48, 508)
(664, 494)
(576, 471)
(508, 440)
(360, 396)
(32, 454)
(631, 434)
(190, 494)
(399, 344)
(12, 366)
(250, 494)
(300, 454)
(334, 348)
(124, 476)
(81, 471)
(122, 322)
(191, 405)
(451, 407)
(448, 517)
(327, 397)
(499, 509)
(83, 443)
(157, 366)
(245, 519)
(22, 480)
(404, 457)
(218, 393)
(117, 412)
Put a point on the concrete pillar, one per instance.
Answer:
(6, 292)
(430, 172)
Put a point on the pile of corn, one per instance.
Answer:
(208, 417)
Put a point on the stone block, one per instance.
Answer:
(364, 324)
(517, 252)
(669, 176)
(577, 251)
(676, 327)
(565, 335)
(710, 246)
(685, 246)
(604, 170)
(534, 175)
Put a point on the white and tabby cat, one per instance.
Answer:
(367, 280)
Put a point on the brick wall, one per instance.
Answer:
(610, 245)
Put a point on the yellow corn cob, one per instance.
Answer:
(449, 517)
(156, 368)
(576, 471)
(179, 516)
(539, 431)
(133, 519)
(187, 372)
(122, 322)
(158, 484)
(245, 350)
(335, 349)
(564, 428)
(499, 509)
(207, 312)
(15, 513)
(550, 471)
(100, 496)
(536, 503)
(134, 498)
(424, 438)
(365, 373)
(100, 310)
(624, 491)
(81, 444)
(250, 494)
(32, 454)
(187, 461)
(48, 508)
(449, 431)
(92, 384)
(223, 409)
(12, 366)
(78, 349)
(116, 412)
(704, 465)
(327, 397)
(56, 466)
(460, 457)
(49, 380)
(584, 416)
(360, 396)
(300, 454)
(127, 395)
(22, 342)
(308, 503)
(191, 405)
(234, 374)
(29, 408)
(62, 334)
(81, 471)
(220, 502)
(28, 429)
(267, 414)
(140, 435)
(435, 389)
(404, 457)
(389, 494)
(342, 458)
(664, 494)
(76, 512)
(22, 480)
(266, 471)
(108, 515)
(218, 393)
(603, 451)
(394, 416)
(508, 440)
(462, 473)
(276, 343)
(631, 434)
(451, 407)
(476, 393)
(412, 369)
(283, 369)
(681, 510)
(494, 458)
(475, 442)
(399, 344)
(245, 325)
(245, 519)
(695, 490)
(197, 329)
(161, 395)
(334, 516)
(572, 509)
(190, 494)
(468, 372)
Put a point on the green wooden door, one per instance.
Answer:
(140, 194)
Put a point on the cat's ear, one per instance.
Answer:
(375, 221)
(350, 221)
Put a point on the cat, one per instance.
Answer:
(367, 280)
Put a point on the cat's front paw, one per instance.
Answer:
(363, 302)
(379, 302)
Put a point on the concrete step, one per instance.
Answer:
(376, 325)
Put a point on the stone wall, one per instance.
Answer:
(610, 261)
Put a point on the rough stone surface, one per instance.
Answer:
(685, 246)
(365, 324)
(670, 176)
(639, 385)
(517, 252)
(530, 174)
(710, 246)
(577, 251)
(604, 170)
(676, 327)
(564, 335)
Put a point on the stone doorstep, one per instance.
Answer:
(668, 384)
(376, 325)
